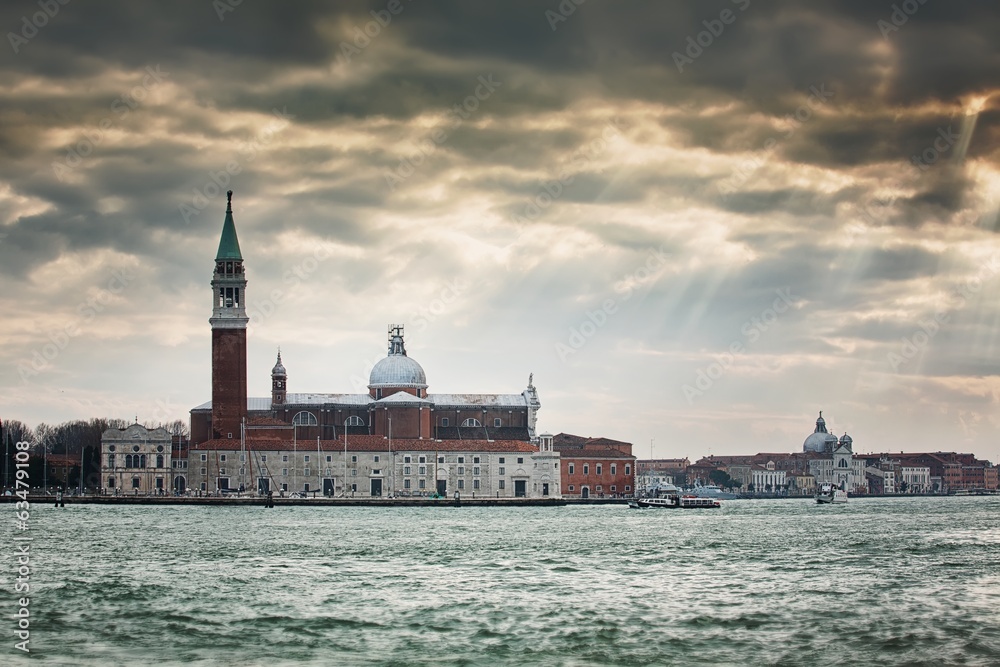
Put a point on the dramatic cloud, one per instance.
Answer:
(697, 224)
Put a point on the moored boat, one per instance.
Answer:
(671, 499)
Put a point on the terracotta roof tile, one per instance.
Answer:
(371, 443)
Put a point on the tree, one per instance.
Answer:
(902, 486)
(720, 478)
(768, 487)
(750, 487)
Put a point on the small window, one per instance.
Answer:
(354, 472)
(571, 488)
(461, 459)
(572, 468)
(284, 472)
(471, 422)
(444, 421)
(204, 471)
(422, 459)
(263, 458)
(586, 469)
(243, 457)
(496, 422)
(614, 471)
(461, 470)
(475, 484)
(520, 459)
(406, 470)
(204, 457)
(111, 482)
(222, 471)
(354, 459)
(305, 459)
(422, 483)
(475, 459)
(628, 488)
(440, 459)
(501, 461)
(376, 458)
(306, 471)
(475, 470)
(501, 484)
(461, 483)
(406, 483)
(422, 470)
(501, 471)
(407, 459)
(135, 448)
(614, 488)
(376, 471)
(284, 458)
(599, 468)
(111, 448)
(329, 459)
(628, 470)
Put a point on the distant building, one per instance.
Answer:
(136, 460)
(595, 467)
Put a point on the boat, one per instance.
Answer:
(712, 491)
(668, 497)
(829, 494)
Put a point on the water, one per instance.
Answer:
(894, 581)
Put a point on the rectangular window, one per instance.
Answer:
(243, 471)
(222, 458)
(284, 458)
(571, 487)
(422, 459)
(406, 470)
(520, 459)
(461, 470)
(501, 484)
(496, 422)
(284, 487)
(204, 486)
(354, 472)
(501, 461)
(305, 458)
(329, 459)
(406, 483)
(263, 458)
(475, 470)
(422, 483)
(406, 459)
(614, 488)
(475, 484)
(461, 459)
(628, 470)
(599, 488)
(444, 421)
(475, 459)
(376, 458)
(354, 459)
(628, 488)
(284, 472)
(599, 468)
(222, 471)
(501, 471)
(440, 459)
(572, 468)
(243, 458)
(461, 483)
(422, 470)
(204, 457)
(586, 469)
(376, 471)
(204, 471)
(306, 471)
(614, 469)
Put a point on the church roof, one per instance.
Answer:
(373, 443)
(263, 403)
(229, 244)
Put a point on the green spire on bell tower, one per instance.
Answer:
(229, 245)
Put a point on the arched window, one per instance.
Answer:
(128, 461)
(471, 422)
(354, 420)
(843, 463)
(142, 461)
(304, 419)
(159, 460)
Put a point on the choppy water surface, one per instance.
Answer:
(894, 581)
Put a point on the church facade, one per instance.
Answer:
(397, 439)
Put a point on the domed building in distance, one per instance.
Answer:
(820, 441)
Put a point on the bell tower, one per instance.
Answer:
(229, 333)
(279, 383)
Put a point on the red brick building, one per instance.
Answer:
(595, 467)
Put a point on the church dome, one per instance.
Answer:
(397, 369)
(820, 440)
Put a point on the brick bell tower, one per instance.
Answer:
(229, 334)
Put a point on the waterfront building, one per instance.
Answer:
(767, 478)
(136, 460)
(595, 467)
(396, 439)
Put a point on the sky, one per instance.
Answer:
(697, 224)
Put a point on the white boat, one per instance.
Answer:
(669, 498)
(829, 494)
(712, 491)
